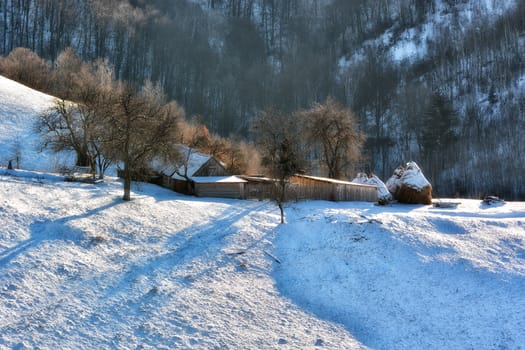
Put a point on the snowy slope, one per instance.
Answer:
(82, 269)
(19, 108)
(410, 277)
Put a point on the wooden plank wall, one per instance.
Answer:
(179, 186)
(306, 188)
(301, 188)
(220, 190)
(259, 190)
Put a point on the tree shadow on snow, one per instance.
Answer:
(53, 230)
(186, 246)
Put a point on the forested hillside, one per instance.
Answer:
(441, 82)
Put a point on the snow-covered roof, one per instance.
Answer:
(333, 181)
(217, 179)
(195, 161)
(257, 179)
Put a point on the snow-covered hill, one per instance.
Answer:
(19, 108)
(82, 269)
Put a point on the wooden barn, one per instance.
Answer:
(258, 187)
(219, 186)
(304, 187)
(180, 177)
(205, 176)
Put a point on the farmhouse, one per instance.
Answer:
(311, 187)
(204, 176)
(199, 174)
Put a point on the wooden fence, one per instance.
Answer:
(305, 187)
(301, 187)
(260, 188)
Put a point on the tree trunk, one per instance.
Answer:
(281, 209)
(82, 159)
(127, 183)
(281, 198)
(101, 169)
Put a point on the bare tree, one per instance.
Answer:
(63, 128)
(141, 126)
(16, 151)
(232, 153)
(335, 130)
(437, 136)
(279, 142)
(67, 68)
(79, 125)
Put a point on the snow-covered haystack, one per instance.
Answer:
(383, 194)
(409, 185)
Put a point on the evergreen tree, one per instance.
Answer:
(438, 135)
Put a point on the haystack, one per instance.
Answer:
(409, 185)
(383, 194)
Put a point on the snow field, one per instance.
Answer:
(82, 269)
(410, 277)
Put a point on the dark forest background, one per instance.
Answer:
(440, 82)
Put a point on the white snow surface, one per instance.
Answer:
(20, 107)
(218, 179)
(82, 269)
